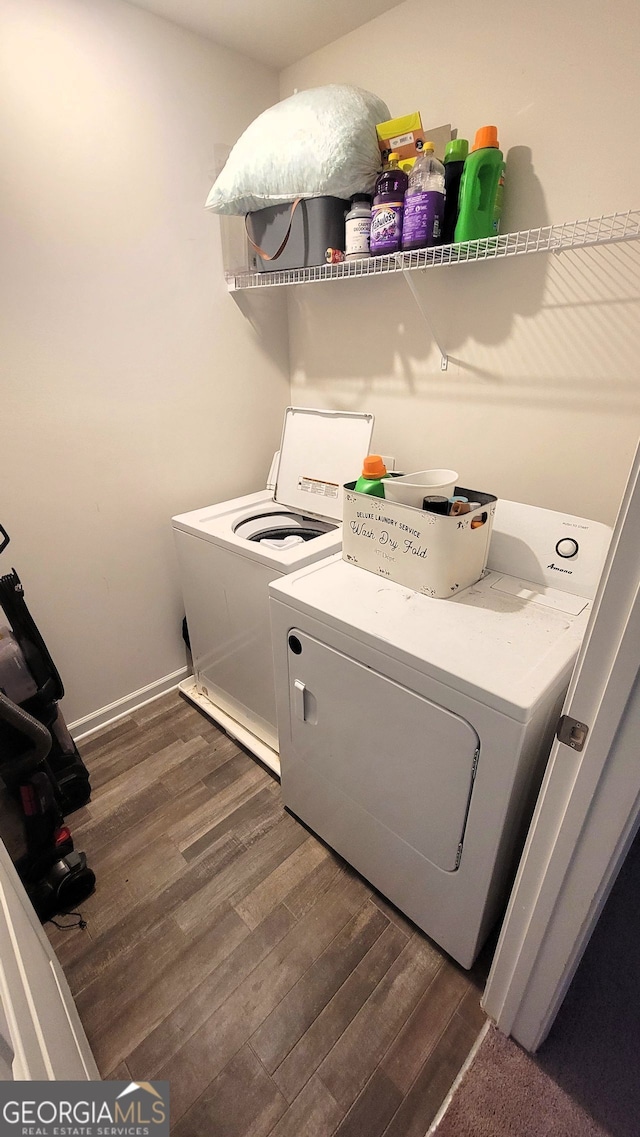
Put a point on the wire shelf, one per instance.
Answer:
(550, 238)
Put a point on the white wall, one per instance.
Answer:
(541, 401)
(132, 386)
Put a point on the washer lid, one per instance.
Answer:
(319, 452)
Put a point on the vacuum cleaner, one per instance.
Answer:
(39, 762)
(29, 676)
(55, 876)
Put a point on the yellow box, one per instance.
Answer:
(401, 135)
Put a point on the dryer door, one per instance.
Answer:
(406, 761)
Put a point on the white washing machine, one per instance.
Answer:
(414, 732)
(228, 553)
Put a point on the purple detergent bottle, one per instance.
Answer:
(424, 205)
(388, 208)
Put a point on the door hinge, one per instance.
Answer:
(459, 855)
(476, 759)
(572, 732)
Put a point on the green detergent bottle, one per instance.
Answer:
(371, 479)
(481, 188)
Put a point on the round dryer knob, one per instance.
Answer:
(567, 547)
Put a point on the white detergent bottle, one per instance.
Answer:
(357, 228)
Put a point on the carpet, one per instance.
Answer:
(585, 1079)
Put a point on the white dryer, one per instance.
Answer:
(229, 552)
(414, 732)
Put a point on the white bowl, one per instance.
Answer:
(410, 489)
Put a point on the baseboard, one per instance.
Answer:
(105, 716)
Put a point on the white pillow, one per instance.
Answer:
(316, 142)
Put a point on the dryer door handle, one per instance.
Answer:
(299, 709)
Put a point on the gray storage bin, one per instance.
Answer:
(317, 225)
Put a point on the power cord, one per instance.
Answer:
(79, 923)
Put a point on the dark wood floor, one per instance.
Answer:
(230, 952)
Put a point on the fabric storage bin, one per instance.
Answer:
(433, 554)
(317, 224)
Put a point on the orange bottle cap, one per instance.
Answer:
(485, 136)
(373, 467)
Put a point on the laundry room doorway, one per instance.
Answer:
(588, 811)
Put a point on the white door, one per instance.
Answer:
(588, 809)
(41, 1036)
